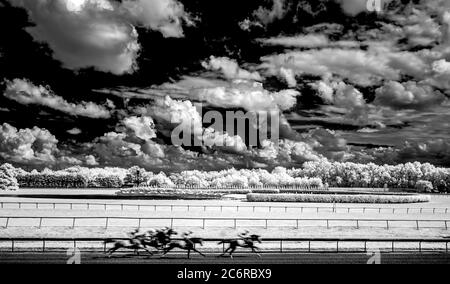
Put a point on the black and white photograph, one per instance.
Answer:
(224, 136)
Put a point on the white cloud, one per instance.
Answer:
(307, 41)
(143, 127)
(27, 146)
(165, 16)
(249, 95)
(442, 67)
(361, 67)
(267, 16)
(74, 131)
(230, 69)
(409, 95)
(99, 33)
(24, 92)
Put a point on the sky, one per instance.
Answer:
(104, 83)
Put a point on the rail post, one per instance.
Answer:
(73, 223)
(107, 223)
(417, 224)
(7, 223)
(43, 245)
(387, 224)
(12, 245)
(235, 223)
(337, 247)
(357, 224)
(297, 224)
(328, 224)
(393, 246)
(40, 222)
(266, 224)
(171, 223)
(139, 223)
(1, 204)
(281, 246)
(204, 223)
(446, 227)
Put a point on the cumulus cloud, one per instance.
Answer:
(442, 67)
(24, 92)
(248, 95)
(27, 146)
(165, 16)
(267, 16)
(143, 127)
(170, 113)
(342, 95)
(99, 33)
(287, 152)
(230, 69)
(409, 95)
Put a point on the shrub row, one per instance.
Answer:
(341, 198)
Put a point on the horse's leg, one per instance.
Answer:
(168, 249)
(197, 251)
(113, 249)
(254, 251)
(225, 252)
(189, 253)
(233, 249)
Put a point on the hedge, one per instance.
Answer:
(328, 198)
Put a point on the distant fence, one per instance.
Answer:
(284, 245)
(237, 222)
(189, 207)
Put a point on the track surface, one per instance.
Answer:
(245, 259)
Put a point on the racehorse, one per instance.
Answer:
(132, 244)
(244, 241)
(158, 239)
(187, 243)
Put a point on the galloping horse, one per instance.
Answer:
(187, 243)
(244, 241)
